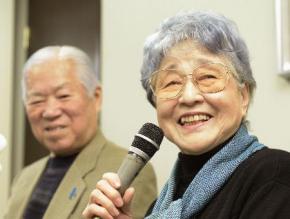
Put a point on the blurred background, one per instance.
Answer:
(113, 32)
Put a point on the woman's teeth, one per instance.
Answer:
(186, 120)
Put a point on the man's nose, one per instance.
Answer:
(52, 109)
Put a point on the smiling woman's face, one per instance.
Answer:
(198, 122)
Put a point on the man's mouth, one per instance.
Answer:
(54, 128)
(193, 119)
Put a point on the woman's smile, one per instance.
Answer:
(196, 121)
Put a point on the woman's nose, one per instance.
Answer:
(190, 93)
(52, 109)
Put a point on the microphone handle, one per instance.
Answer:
(128, 170)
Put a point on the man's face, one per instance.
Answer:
(62, 115)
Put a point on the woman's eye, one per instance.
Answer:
(172, 83)
(207, 77)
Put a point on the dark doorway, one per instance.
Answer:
(61, 22)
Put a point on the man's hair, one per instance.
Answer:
(85, 69)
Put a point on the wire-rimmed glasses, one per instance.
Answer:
(208, 78)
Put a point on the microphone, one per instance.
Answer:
(146, 142)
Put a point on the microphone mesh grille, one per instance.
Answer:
(152, 132)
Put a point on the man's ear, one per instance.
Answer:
(98, 95)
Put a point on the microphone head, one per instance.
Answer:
(147, 141)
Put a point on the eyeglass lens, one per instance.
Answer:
(208, 78)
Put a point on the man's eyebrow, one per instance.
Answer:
(61, 86)
(34, 94)
(38, 93)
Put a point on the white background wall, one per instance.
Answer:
(125, 25)
(6, 72)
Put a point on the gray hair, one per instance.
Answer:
(85, 69)
(213, 31)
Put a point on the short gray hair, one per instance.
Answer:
(213, 31)
(85, 69)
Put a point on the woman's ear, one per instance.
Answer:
(245, 95)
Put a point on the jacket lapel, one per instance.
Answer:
(26, 187)
(73, 185)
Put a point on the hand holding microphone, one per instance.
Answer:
(108, 200)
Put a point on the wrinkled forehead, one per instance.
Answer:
(190, 54)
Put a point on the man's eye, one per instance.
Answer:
(63, 96)
(35, 102)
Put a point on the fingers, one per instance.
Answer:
(105, 199)
(93, 210)
(106, 202)
(107, 193)
(99, 198)
(128, 197)
(113, 179)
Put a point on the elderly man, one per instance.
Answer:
(62, 98)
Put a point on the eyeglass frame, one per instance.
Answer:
(228, 73)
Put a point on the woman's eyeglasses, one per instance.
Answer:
(208, 78)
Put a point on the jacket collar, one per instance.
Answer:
(73, 185)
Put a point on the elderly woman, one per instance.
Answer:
(197, 75)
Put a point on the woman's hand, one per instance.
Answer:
(106, 202)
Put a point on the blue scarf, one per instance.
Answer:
(208, 180)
